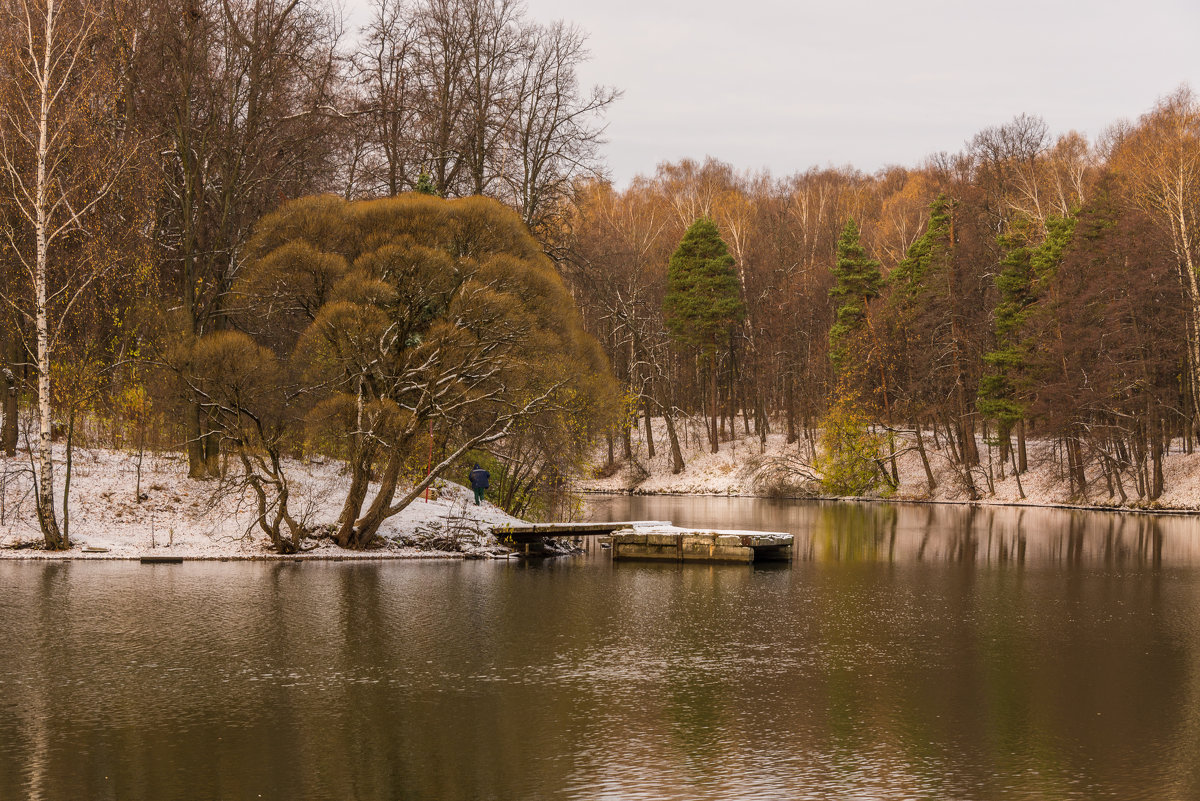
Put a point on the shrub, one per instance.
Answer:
(851, 453)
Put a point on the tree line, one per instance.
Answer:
(1027, 286)
(144, 142)
(220, 232)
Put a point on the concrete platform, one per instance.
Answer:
(674, 544)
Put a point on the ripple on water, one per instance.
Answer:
(583, 680)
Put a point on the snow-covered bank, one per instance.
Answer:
(742, 466)
(178, 516)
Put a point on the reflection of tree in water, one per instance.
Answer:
(856, 532)
(1150, 540)
(964, 544)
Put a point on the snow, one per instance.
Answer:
(738, 467)
(179, 516)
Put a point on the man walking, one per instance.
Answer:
(479, 482)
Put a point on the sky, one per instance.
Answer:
(789, 85)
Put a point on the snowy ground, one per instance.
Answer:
(199, 519)
(741, 465)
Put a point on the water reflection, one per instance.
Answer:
(884, 532)
(896, 659)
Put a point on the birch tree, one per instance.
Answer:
(63, 153)
(1160, 163)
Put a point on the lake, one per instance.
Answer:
(908, 652)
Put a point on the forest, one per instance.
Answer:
(235, 229)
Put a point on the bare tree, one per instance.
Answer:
(239, 96)
(64, 155)
(385, 69)
(553, 134)
(1159, 161)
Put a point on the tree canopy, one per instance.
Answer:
(703, 300)
(412, 312)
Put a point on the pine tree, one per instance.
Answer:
(929, 253)
(935, 291)
(857, 280)
(703, 301)
(425, 184)
(999, 398)
(1008, 381)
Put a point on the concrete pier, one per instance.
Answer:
(674, 544)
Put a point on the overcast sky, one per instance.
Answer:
(788, 85)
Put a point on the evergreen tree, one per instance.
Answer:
(929, 253)
(857, 280)
(1025, 270)
(425, 184)
(703, 301)
(998, 393)
(938, 299)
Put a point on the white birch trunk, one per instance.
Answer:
(45, 500)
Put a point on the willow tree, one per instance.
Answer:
(423, 318)
(703, 301)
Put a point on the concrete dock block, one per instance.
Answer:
(670, 543)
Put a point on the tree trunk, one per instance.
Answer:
(66, 512)
(649, 434)
(712, 375)
(9, 431)
(366, 527)
(1075, 471)
(1004, 433)
(360, 482)
(1017, 475)
(1156, 460)
(761, 423)
(1022, 454)
(212, 454)
(197, 467)
(673, 436)
(930, 481)
(789, 401)
(45, 494)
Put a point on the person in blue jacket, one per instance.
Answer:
(479, 482)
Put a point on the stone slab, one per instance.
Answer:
(673, 543)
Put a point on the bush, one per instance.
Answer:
(851, 453)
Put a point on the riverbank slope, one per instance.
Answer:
(179, 516)
(743, 466)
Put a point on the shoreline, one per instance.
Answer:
(176, 517)
(74, 555)
(748, 466)
(1176, 511)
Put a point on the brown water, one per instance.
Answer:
(908, 653)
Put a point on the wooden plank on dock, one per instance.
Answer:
(532, 531)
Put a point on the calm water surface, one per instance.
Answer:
(908, 653)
